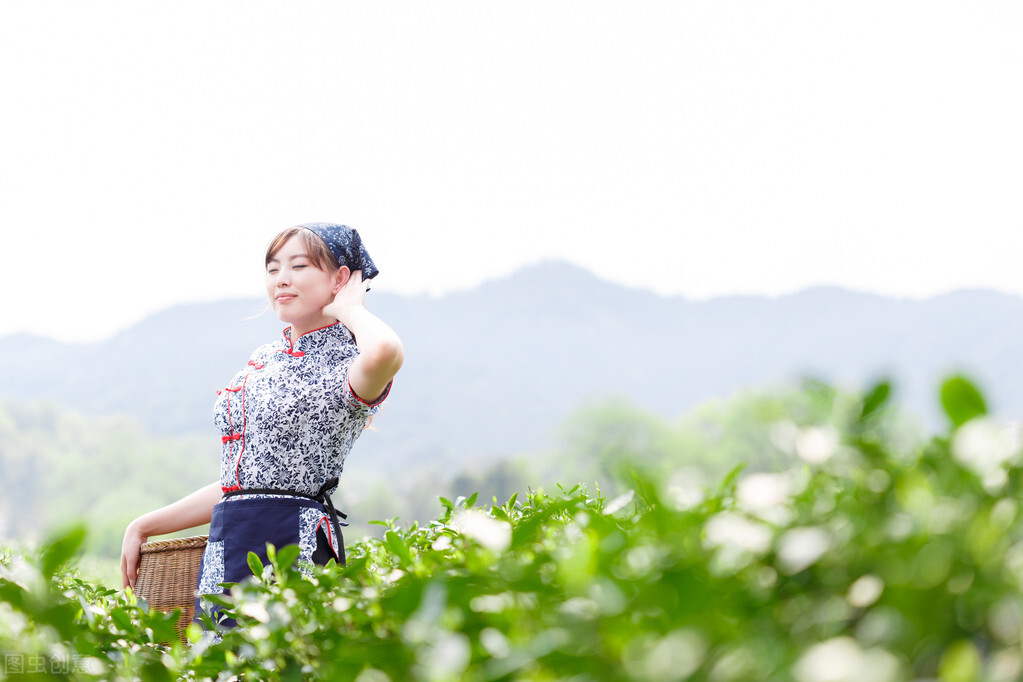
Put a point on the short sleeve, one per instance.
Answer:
(356, 401)
(345, 398)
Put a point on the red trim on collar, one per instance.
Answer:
(332, 324)
(290, 350)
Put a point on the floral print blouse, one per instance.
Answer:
(289, 419)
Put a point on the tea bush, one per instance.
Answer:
(54, 625)
(855, 561)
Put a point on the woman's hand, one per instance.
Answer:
(380, 350)
(130, 553)
(352, 294)
(190, 511)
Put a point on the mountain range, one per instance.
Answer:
(492, 371)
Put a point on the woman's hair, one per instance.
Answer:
(319, 253)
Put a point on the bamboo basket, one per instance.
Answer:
(168, 572)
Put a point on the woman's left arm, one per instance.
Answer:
(381, 352)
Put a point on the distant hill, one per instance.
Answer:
(492, 371)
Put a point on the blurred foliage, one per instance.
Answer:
(754, 429)
(844, 552)
(56, 626)
(56, 465)
(601, 440)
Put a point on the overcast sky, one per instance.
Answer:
(150, 150)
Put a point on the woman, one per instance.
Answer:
(288, 420)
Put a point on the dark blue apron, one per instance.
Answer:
(247, 524)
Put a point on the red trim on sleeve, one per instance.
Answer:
(381, 398)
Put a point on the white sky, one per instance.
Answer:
(149, 150)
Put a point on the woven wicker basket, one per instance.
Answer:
(168, 571)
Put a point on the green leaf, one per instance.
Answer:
(471, 502)
(59, 550)
(960, 663)
(121, 618)
(875, 399)
(449, 508)
(222, 599)
(286, 556)
(255, 565)
(397, 547)
(162, 625)
(730, 480)
(193, 632)
(293, 672)
(154, 671)
(962, 400)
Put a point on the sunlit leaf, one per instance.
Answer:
(287, 555)
(875, 399)
(826, 559)
(962, 400)
(60, 549)
(398, 548)
(255, 564)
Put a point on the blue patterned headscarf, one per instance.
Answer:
(345, 244)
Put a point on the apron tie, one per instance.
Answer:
(323, 498)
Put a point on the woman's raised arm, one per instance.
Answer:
(381, 352)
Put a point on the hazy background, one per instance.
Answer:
(598, 225)
(150, 150)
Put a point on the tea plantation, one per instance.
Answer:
(861, 559)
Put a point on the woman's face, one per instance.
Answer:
(298, 290)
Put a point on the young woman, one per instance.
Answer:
(290, 417)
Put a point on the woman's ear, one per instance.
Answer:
(341, 278)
